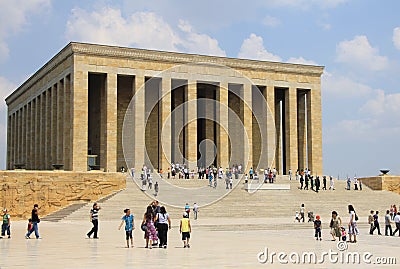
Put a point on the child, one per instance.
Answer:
(185, 229)
(317, 227)
(30, 226)
(297, 216)
(344, 237)
(6, 224)
(129, 226)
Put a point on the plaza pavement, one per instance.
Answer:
(216, 243)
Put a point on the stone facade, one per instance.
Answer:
(385, 182)
(53, 190)
(75, 104)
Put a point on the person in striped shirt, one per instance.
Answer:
(94, 219)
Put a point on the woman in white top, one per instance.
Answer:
(164, 224)
(352, 224)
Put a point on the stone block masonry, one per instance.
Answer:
(54, 190)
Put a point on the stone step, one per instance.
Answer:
(239, 203)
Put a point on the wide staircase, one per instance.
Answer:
(239, 203)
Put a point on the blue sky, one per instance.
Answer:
(357, 41)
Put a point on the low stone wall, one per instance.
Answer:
(388, 182)
(53, 190)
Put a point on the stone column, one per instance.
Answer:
(314, 130)
(139, 112)
(23, 128)
(248, 128)
(10, 141)
(28, 135)
(111, 123)
(222, 117)
(270, 126)
(36, 144)
(165, 145)
(79, 120)
(60, 122)
(49, 130)
(191, 127)
(43, 132)
(53, 124)
(17, 132)
(301, 130)
(67, 123)
(291, 129)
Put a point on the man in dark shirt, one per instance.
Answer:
(94, 219)
(35, 221)
(376, 224)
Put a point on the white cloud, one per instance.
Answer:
(382, 104)
(14, 16)
(301, 60)
(253, 48)
(141, 29)
(6, 88)
(339, 86)
(271, 21)
(396, 37)
(199, 43)
(359, 53)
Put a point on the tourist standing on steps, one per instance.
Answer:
(164, 224)
(348, 183)
(301, 182)
(94, 219)
(290, 174)
(35, 221)
(324, 182)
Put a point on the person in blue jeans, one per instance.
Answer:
(35, 221)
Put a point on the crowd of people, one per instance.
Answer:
(339, 229)
(155, 224)
(308, 181)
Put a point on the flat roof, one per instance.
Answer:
(161, 56)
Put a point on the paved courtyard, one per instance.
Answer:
(216, 243)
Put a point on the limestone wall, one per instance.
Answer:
(53, 190)
(389, 183)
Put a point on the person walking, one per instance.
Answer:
(150, 231)
(185, 229)
(35, 221)
(302, 210)
(187, 209)
(388, 223)
(371, 221)
(5, 227)
(397, 222)
(94, 219)
(331, 183)
(156, 188)
(195, 210)
(129, 220)
(376, 224)
(164, 224)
